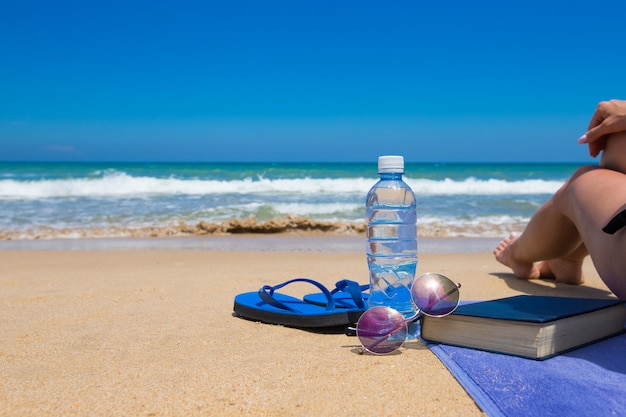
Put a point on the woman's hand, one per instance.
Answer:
(614, 152)
(610, 117)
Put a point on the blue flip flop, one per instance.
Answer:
(268, 306)
(347, 294)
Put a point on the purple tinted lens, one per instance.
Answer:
(381, 330)
(435, 295)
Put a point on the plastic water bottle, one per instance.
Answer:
(391, 238)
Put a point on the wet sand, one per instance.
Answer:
(150, 331)
(284, 242)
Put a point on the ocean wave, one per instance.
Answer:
(119, 184)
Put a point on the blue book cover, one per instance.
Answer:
(534, 308)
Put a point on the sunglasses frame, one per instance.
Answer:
(394, 326)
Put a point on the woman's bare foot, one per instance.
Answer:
(568, 271)
(504, 255)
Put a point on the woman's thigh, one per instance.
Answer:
(591, 199)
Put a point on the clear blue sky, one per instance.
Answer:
(303, 80)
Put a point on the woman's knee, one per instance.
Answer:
(592, 195)
(563, 195)
(584, 170)
(592, 178)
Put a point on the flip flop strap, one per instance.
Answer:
(354, 289)
(267, 294)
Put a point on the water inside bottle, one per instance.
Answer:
(391, 279)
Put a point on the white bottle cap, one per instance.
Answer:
(391, 164)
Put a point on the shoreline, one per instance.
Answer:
(283, 242)
(279, 226)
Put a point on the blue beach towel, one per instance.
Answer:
(590, 381)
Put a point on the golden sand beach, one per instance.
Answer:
(152, 333)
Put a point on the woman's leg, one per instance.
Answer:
(570, 224)
(566, 269)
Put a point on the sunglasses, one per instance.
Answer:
(382, 330)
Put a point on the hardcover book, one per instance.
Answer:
(536, 327)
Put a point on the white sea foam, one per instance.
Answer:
(479, 226)
(473, 186)
(326, 210)
(121, 185)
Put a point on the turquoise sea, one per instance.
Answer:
(51, 200)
